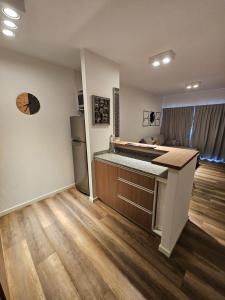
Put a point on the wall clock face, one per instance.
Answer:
(27, 103)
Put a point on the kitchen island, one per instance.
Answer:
(150, 185)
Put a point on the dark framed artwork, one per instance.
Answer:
(151, 118)
(116, 106)
(100, 110)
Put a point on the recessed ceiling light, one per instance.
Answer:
(188, 87)
(10, 24)
(11, 13)
(166, 60)
(8, 32)
(156, 63)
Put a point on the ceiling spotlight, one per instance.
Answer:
(156, 63)
(10, 24)
(195, 86)
(8, 32)
(162, 58)
(11, 13)
(166, 60)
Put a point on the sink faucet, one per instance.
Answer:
(111, 145)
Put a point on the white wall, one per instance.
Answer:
(176, 205)
(195, 98)
(78, 80)
(99, 77)
(132, 104)
(35, 151)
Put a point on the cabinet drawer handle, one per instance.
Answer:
(134, 204)
(135, 185)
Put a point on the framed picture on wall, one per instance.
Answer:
(151, 118)
(157, 118)
(145, 122)
(100, 110)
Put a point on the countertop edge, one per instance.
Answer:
(173, 166)
(126, 166)
(166, 151)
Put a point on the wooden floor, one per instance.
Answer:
(207, 209)
(67, 248)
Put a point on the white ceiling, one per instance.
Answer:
(129, 32)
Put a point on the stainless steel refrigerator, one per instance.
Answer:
(79, 148)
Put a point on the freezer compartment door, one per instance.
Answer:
(77, 125)
(80, 166)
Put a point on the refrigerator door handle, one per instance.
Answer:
(76, 141)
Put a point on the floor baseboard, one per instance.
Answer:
(93, 199)
(42, 197)
(168, 252)
(164, 251)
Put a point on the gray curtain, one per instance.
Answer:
(208, 134)
(176, 125)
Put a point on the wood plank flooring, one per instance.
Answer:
(207, 208)
(68, 248)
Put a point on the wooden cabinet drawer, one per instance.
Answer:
(139, 179)
(135, 194)
(134, 213)
(130, 193)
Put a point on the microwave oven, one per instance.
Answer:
(80, 101)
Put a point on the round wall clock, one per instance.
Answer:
(27, 103)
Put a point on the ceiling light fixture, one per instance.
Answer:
(162, 58)
(9, 24)
(193, 85)
(156, 63)
(8, 32)
(166, 60)
(11, 13)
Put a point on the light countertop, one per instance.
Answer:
(133, 163)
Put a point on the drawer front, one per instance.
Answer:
(135, 214)
(135, 194)
(139, 179)
(106, 182)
